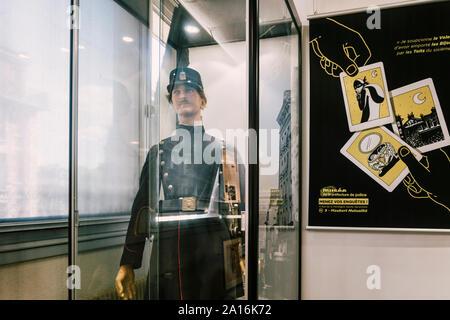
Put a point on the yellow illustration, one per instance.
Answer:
(377, 150)
(373, 77)
(350, 52)
(419, 101)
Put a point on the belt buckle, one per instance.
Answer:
(188, 204)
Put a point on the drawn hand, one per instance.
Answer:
(428, 179)
(343, 50)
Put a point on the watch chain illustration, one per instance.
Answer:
(429, 179)
(344, 50)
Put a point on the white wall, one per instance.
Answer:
(413, 265)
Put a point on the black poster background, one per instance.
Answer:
(329, 129)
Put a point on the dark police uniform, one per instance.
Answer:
(189, 259)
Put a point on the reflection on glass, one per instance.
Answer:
(34, 97)
(109, 97)
(278, 211)
(112, 86)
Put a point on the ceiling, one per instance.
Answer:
(219, 21)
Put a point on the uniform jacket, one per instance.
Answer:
(190, 250)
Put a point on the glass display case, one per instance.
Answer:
(176, 150)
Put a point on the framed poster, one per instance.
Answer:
(379, 116)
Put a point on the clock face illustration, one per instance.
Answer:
(370, 142)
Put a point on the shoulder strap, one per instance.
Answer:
(231, 180)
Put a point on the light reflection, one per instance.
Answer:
(191, 29)
(128, 39)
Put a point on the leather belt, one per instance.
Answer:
(185, 205)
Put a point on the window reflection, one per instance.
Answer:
(109, 99)
(112, 135)
(34, 87)
(279, 233)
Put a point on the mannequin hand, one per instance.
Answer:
(125, 286)
(428, 179)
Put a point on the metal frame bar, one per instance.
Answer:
(296, 20)
(73, 142)
(294, 15)
(253, 171)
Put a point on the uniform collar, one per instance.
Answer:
(196, 126)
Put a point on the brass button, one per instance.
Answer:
(163, 163)
(170, 187)
(161, 151)
(165, 174)
(161, 142)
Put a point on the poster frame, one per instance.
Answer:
(308, 100)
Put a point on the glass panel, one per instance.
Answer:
(34, 114)
(109, 98)
(201, 238)
(34, 93)
(279, 152)
(113, 134)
